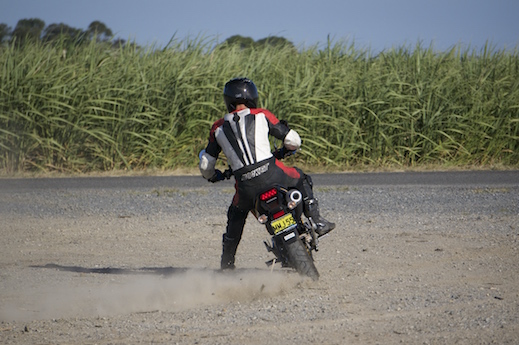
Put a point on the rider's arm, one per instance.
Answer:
(206, 164)
(209, 156)
(279, 129)
(292, 140)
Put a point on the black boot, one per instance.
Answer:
(235, 223)
(229, 246)
(312, 211)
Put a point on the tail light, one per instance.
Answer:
(278, 214)
(269, 194)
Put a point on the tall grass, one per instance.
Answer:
(88, 108)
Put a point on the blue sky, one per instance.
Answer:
(370, 24)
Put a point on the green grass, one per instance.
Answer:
(93, 108)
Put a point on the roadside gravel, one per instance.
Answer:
(406, 264)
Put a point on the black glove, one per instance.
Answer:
(217, 176)
(279, 153)
(283, 152)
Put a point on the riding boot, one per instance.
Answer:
(229, 246)
(311, 210)
(230, 240)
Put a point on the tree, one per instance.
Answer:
(61, 31)
(5, 32)
(275, 41)
(247, 42)
(243, 42)
(99, 30)
(27, 29)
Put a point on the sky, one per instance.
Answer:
(373, 25)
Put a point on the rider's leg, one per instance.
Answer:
(311, 207)
(295, 177)
(235, 222)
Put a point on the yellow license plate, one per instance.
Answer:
(283, 223)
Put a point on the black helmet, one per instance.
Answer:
(240, 91)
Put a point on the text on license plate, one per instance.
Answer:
(283, 223)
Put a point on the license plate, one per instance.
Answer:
(283, 223)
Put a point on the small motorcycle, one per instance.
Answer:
(293, 240)
(294, 237)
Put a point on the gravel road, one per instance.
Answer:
(415, 259)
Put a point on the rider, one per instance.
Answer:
(242, 134)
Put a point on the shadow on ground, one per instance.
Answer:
(160, 271)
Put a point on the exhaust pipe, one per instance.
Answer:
(295, 197)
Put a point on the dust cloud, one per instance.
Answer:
(146, 293)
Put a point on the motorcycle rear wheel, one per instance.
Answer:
(301, 260)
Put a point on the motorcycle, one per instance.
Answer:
(294, 237)
(293, 240)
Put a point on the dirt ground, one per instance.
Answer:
(412, 265)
